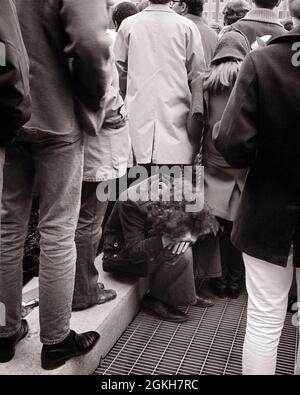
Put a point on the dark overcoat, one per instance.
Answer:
(260, 129)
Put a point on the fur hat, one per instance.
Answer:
(232, 45)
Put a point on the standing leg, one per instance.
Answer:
(18, 175)
(219, 284)
(235, 264)
(60, 171)
(88, 234)
(268, 287)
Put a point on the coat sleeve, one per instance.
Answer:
(14, 74)
(121, 56)
(236, 135)
(87, 46)
(195, 58)
(138, 247)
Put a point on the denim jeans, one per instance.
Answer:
(268, 287)
(57, 169)
(88, 235)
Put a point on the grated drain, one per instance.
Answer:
(209, 343)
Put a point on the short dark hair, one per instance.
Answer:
(123, 11)
(195, 6)
(159, 1)
(266, 3)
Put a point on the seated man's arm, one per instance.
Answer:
(236, 135)
(138, 246)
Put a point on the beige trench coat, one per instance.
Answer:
(158, 55)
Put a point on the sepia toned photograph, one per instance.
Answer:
(149, 190)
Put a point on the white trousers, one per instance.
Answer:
(268, 288)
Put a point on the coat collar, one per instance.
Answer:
(264, 15)
(292, 36)
(159, 7)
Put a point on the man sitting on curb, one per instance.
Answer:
(137, 240)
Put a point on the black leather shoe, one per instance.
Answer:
(162, 310)
(74, 345)
(8, 345)
(204, 302)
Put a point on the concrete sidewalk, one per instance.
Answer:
(110, 320)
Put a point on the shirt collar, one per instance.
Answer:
(159, 7)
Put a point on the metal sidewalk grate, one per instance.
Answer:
(210, 342)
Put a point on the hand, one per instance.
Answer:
(181, 246)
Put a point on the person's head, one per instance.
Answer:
(231, 50)
(194, 7)
(294, 6)
(270, 4)
(235, 10)
(123, 11)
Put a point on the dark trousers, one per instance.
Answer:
(88, 235)
(232, 260)
(171, 278)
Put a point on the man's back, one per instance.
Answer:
(259, 22)
(158, 54)
(57, 35)
(260, 129)
(208, 35)
(278, 120)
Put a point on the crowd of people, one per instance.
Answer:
(85, 108)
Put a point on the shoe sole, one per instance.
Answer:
(58, 364)
(153, 313)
